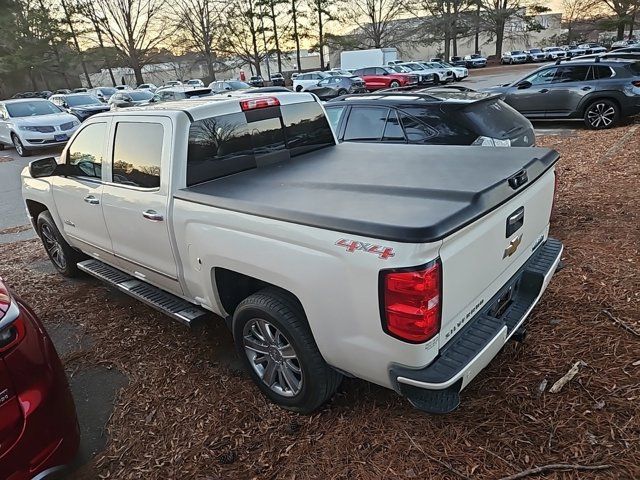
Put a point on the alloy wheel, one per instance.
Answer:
(53, 247)
(272, 357)
(601, 115)
(18, 145)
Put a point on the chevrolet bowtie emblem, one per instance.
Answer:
(513, 246)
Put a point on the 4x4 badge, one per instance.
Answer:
(353, 245)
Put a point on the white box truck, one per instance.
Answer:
(373, 57)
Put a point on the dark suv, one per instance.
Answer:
(432, 116)
(600, 91)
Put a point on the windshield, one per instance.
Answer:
(476, 55)
(138, 96)
(107, 90)
(413, 66)
(77, 100)
(31, 109)
(535, 50)
(516, 52)
(236, 85)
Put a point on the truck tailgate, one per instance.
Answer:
(479, 259)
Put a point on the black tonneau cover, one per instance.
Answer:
(403, 193)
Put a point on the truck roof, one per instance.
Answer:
(204, 107)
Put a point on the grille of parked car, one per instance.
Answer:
(65, 126)
(44, 129)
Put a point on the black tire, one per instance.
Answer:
(1, 146)
(601, 114)
(436, 79)
(318, 380)
(341, 92)
(23, 152)
(62, 255)
(394, 84)
(299, 88)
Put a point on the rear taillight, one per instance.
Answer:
(411, 302)
(11, 326)
(256, 103)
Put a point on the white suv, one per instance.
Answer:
(515, 56)
(31, 123)
(304, 80)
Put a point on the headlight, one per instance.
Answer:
(30, 129)
(491, 142)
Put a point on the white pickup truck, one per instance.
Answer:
(408, 266)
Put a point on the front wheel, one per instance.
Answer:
(299, 88)
(341, 92)
(394, 84)
(275, 343)
(63, 257)
(601, 114)
(23, 152)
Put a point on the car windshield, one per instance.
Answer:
(414, 66)
(77, 100)
(237, 85)
(31, 109)
(138, 96)
(535, 50)
(516, 52)
(107, 90)
(476, 55)
(193, 82)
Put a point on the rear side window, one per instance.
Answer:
(601, 71)
(365, 123)
(635, 68)
(442, 128)
(335, 114)
(137, 153)
(233, 143)
(416, 131)
(393, 130)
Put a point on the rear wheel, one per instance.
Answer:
(394, 84)
(61, 254)
(23, 152)
(341, 92)
(299, 88)
(275, 343)
(601, 114)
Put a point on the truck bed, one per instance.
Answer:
(402, 193)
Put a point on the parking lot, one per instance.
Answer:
(157, 400)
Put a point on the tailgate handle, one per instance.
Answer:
(515, 221)
(518, 179)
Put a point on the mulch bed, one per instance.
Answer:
(12, 230)
(188, 412)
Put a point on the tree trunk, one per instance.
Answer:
(275, 36)
(75, 42)
(477, 39)
(33, 80)
(96, 27)
(320, 36)
(632, 23)
(499, 36)
(296, 37)
(620, 35)
(256, 55)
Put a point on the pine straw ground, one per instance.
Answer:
(188, 413)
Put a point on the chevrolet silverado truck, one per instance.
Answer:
(404, 265)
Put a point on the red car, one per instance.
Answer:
(376, 78)
(39, 432)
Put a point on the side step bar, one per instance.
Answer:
(167, 303)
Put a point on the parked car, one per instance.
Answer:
(103, 93)
(425, 77)
(432, 116)
(425, 260)
(34, 123)
(44, 94)
(79, 90)
(598, 91)
(63, 91)
(82, 105)
(624, 43)
(459, 73)
(195, 82)
(179, 93)
(632, 49)
(377, 78)
(256, 81)
(277, 80)
(535, 55)
(220, 86)
(514, 56)
(592, 48)
(332, 87)
(304, 80)
(130, 98)
(123, 87)
(457, 61)
(554, 53)
(475, 60)
(347, 73)
(147, 86)
(444, 74)
(172, 83)
(39, 434)
(575, 51)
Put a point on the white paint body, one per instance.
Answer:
(378, 57)
(339, 290)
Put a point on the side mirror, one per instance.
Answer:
(523, 85)
(44, 167)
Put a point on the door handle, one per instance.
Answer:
(544, 90)
(90, 199)
(586, 89)
(152, 215)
